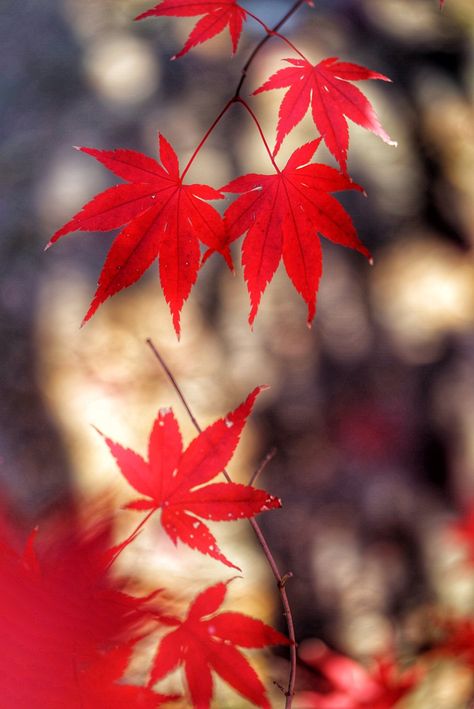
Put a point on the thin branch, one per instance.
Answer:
(279, 578)
(206, 136)
(270, 33)
(131, 537)
(173, 381)
(270, 455)
(259, 128)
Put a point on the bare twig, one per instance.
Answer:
(270, 33)
(270, 455)
(279, 578)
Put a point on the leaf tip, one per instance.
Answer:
(98, 430)
(271, 503)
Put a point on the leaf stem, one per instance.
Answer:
(271, 32)
(279, 578)
(259, 128)
(206, 136)
(270, 455)
(131, 537)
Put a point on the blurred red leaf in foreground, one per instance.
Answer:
(67, 627)
(349, 685)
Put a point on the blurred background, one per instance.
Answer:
(372, 410)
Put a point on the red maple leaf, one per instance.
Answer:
(352, 686)
(282, 214)
(457, 641)
(462, 530)
(205, 642)
(164, 218)
(170, 477)
(326, 87)
(98, 685)
(218, 14)
(67, 628)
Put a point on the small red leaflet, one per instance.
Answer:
(326, 87)
(282, 214)
(218, 14)
(205, 642)
(165, 219)
(170, 477)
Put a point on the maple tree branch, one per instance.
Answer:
(173, 381)
(280, 580)
(130, 538)
(206, 136)
(259, 128)
(271, 32)
(270, 455)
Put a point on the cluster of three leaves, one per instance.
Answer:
(282, 212)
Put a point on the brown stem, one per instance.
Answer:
(279, 578)
(259, 128)
(263, 41)
(271, 32)
(270, 455)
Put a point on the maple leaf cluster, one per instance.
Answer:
(66, 600)
(282, 213)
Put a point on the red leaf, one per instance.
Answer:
(282, 214)
(463, 531)
(243, 630)
(67, 627)
(98, 687)
(457, 641)
(352, 686)
(208, 601)
(325, 87)
(170, 477)
(165, 219)
(218, 14)
(204, 643)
